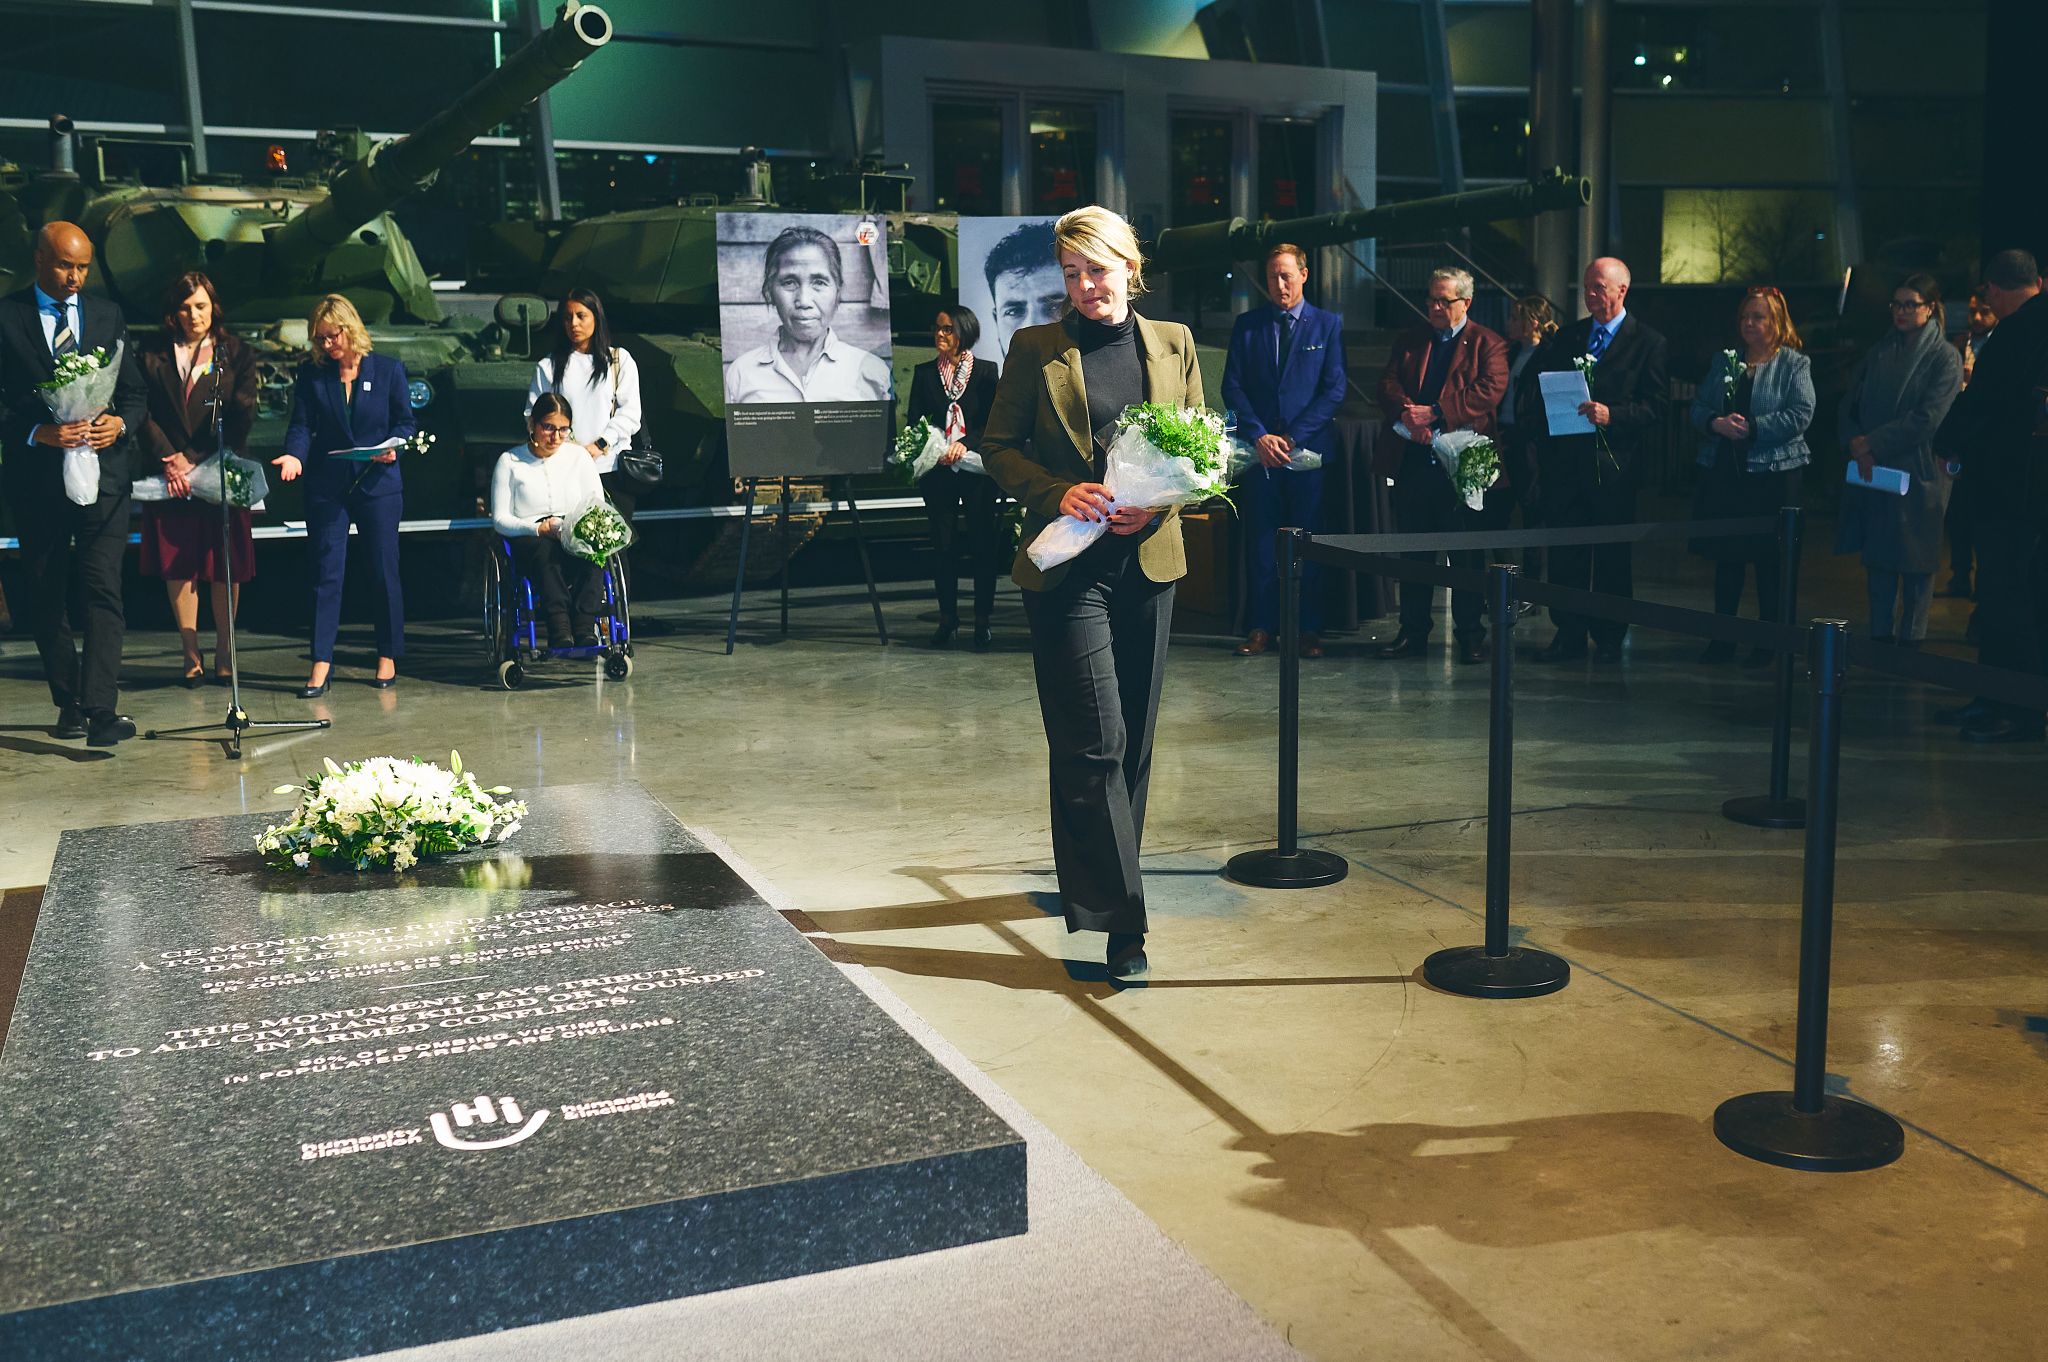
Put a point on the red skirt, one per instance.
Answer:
(181, 542)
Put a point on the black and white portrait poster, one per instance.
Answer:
(803, 316)
(1009, 278)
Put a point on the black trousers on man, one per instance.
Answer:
(1605, 568)
(2012, 558)
(71, 556)
(1426, 502)
(1098, 646)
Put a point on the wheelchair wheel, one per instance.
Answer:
(510, 674)
(618, 603)
(618, 665)
(501, 610)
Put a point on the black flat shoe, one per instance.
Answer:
(312, 692)
(984, 638)
(383, 682)
(104, 730)
(70, 723)
(1125, 956)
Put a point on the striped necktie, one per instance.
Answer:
(1596, 344)
(65, 341)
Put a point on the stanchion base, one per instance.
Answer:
(1521, 973)
(1762, 811)
(1845, 1136)
(1275, 869)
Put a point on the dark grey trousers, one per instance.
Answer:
(1098, 646)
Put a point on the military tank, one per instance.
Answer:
(274, 247)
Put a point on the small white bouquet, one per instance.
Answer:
(596, 532)
(1472, 462)
(81, 388)
(1729, 371)
(226, 478)
(1162, 456)
(1586, 364)
(387, 812)
(918, 449)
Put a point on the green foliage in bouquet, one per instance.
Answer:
(1478, 469)
(386, 813)
(72, 367)
(1191, 433)
(601, 532)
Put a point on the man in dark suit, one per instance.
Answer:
(71, 553)
(1284, 380)
(1445, 376)
(1584, 480)
(1992, 430)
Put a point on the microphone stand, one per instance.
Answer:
(238, 721)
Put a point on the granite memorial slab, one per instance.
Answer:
(259, 1113)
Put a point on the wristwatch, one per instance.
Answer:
(602, 447)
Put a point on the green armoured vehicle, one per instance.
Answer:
(275, 247)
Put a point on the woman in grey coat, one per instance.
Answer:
(1889, 417)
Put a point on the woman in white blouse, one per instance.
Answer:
(602, 386)
(534, 487)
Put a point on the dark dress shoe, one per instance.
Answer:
(585, 631)
(1977, 711)
(984, 638)
(383, 682)
(942, 637)
(107, 728)
(1256, 642)
(1607, 652)
(70, 723)
(2003, 730)
(1717, 653)
(309, 691)
(1125, 956)
(1403, 645)
(1311, 645)
(1473, 650)
(1562, 649)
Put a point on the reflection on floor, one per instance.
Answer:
(1382, 1170)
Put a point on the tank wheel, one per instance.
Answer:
(510, 674)
(618, 666)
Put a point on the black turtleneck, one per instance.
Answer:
(1112, 371)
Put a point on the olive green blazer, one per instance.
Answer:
(1037, 441)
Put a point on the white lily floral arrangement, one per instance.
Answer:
(385, 813)
(1586, 364)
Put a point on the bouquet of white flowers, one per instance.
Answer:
(918, 449)
(80, 389)
(387, 812)
(1730, 373)
(1471, 461)
(228, 477)
(1162, 456)
(1586, 364)
(595, 532)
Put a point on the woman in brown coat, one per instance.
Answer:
(193, 365)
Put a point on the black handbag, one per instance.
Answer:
(641, 465)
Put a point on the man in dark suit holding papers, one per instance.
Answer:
(1591, 479)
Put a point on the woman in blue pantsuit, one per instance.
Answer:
(345, 398)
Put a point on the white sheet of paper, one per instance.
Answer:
(1882, 479)
(1563, 391)
(367, 451)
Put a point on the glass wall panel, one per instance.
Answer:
(967, 158)
(1062, 151)
(1488, 46)
(1722, 141)
(1730, 236)
(1407, 143)
(1204, 148)
(1929, 49)
(1493, 135)
(1917, 141)
(1943, 222)
(1376, 35)
(700, 97)
(254, 71)
(1723, 47)
(1289, 185)
(132, 77)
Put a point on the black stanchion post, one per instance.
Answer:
(1288, 866)
(1779, 809)
(1496, 969)
(1808, 1128)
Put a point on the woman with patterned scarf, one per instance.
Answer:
(954, 392)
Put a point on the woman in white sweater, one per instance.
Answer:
(602, 386)
(533, 488)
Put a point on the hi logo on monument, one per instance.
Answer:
(484, 1112)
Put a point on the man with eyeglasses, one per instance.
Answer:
(1444, 376)
(1994, 432)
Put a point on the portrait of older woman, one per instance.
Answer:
(803, 280)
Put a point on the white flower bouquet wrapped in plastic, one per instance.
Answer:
(387, 812)
(1472, 462)
(228, 477)
(595, 532)
(918, 449)
(80, 389)
(1162, 456)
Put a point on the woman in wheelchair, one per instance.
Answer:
(533, 488)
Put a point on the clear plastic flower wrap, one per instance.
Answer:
(595, 531)
(1162, 456)
(1471, 460)
(918, 449)
(81, 388)
(239, 483)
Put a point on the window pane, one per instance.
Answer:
(1062, 157)
(1203, 147)
(1729, 236)
(132, 76)
(1744, 47)
(1917, 141)
(1493, 135)
(967, 158)
(1936, 49)
(1407, 144)
(1488, 46)
(1288, 186)
(1376, 35)
(248, 82)
(1947, 219)
(1726, 141)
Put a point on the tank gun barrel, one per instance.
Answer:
(369, 186)
(1213, 244)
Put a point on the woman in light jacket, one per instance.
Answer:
(1754, 456)
(602, 385)
(1889, 417)
(534, 489)
(1098, 621)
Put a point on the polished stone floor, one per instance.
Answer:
(1382, 1170)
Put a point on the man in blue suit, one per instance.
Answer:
(1284, 380)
